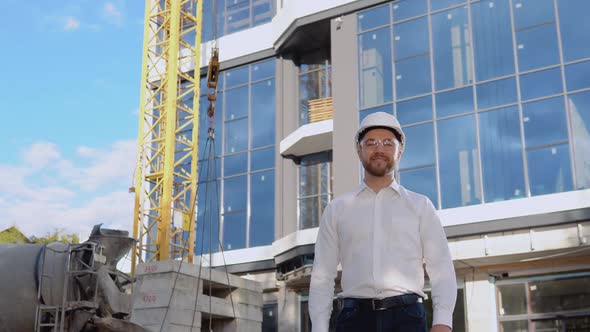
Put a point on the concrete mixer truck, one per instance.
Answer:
(66, 287)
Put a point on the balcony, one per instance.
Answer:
(314, 137)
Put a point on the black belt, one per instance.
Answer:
(381, 304)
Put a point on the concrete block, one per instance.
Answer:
(240, 325)
(172, 328)
(155, 316)
(245, 296)
(215, 275)
(178, 298)
(223, 308)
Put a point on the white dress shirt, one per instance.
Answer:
(381, 240)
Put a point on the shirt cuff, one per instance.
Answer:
(320, 325)
(443, 317)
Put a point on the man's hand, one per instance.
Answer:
(440, 328)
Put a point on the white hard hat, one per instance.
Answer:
(380, 120)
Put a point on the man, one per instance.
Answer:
(381, 234)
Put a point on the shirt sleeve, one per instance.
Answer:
(321, 290)
(439, 266)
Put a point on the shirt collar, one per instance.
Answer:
(362, 186)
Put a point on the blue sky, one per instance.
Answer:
(68, 115)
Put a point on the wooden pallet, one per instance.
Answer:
(320, 109)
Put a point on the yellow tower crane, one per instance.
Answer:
(166, 171)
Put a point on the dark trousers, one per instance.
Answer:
(403, 318)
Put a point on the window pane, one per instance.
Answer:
(542, 83)
(452, 49)
(412, 77)
(236, 135)
(492, 39)
(560, 295)
(574, 26)
(262, 12)
(263, 113)
(372, 18)
(454, 102)
(238, 19)
(207, 215)
(313, 179)
(236, 76)
(544, 122)
(537, 47)
(235, 164)
(512, 299)
(262, 212)
(501, 154)
(496, 93)
(441, 4)
(263, 69)
(515, 326)
(414, 110)
(579, 107)
(549, 170)
(459, 164)
(234, 195)
(410, 38)
(311, 87)
(263, 158)
(376, 71)
(577, 76)
(383, 108)
(419, 149)
(422, 181)
(234, 231)
(581, 323)
(404, 9)
(236, 103)
(208, 17)
(310, 211)
(528, 13)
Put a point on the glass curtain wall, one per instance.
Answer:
(315, 81)
(315, 189)
(493, 95)
(551, 303)
(234, 15)
(240, 175)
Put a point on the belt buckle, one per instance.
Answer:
(379, 308)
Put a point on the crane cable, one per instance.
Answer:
(212, 85)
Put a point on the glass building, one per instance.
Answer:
(494, 98)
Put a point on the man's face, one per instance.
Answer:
(378, 157)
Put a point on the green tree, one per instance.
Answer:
(13, 235)
(57, 235)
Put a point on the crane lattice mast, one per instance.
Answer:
(166, 170)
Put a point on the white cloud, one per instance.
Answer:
(40, 154)
(71, 23)
(107, 166)
(112, 13)
(85, 151)
(111, 9)
(47, 191)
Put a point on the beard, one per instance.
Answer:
(379, 165)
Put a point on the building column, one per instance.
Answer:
(480, 303)
(286, 122)
(288, 309)
(345, 81)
